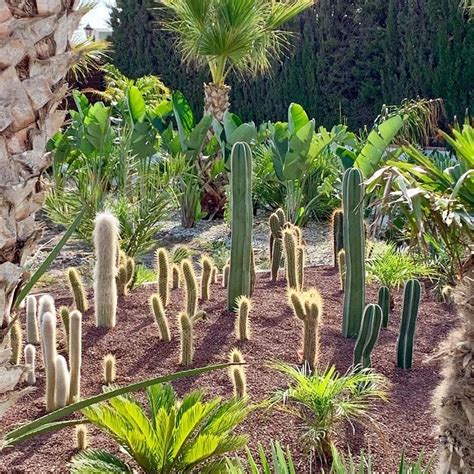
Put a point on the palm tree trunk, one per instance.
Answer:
(216, 100)
(35, 56)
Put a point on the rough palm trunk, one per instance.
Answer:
(216, 99)
(35, 55)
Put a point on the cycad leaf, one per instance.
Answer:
(202, 448)
(95, 461)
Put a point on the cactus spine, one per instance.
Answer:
(109, 368)
(160, 317)
(46, 305)
(337, 224)
(32, 331)
(384, 303)
(16, 343)
(75, 355)
(206, 277)
(176, 275)
(215, 275)
(341, 265)
(65, 316)
(62, 383)
(354, 237)
(290, 244)
(190, 285)
(277, 221)
(308, 307)
(30, 359)
(225, 275)
(241, 223)
(48, 343)
(77, 289)
(411, 302)
(130, 266)
(237, 374)
(368, 335)
(163, 270)
(122, 281)
(186, 324)
(242, 327)
(81, 437)
(106, 233)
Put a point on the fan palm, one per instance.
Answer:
(324, 399)
(179, 436)
(225, 35)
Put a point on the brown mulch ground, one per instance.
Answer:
(275, 335)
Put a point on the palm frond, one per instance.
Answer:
(96, 461)
(88, 55)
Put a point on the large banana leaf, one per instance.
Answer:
(377, 142)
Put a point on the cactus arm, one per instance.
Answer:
(384, 303)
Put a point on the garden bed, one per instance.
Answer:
(140, 354)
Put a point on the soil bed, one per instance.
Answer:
(276, 334)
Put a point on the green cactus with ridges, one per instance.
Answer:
(241, 223)
(308, 307)
(77, 289)
(253, 273)
(290, 246)
(337, 224)
(368, 335)
(190, 285)
(411, 303)
(75, 355)
(160, 317)
(163, 271)
(32, 331)
(354, 248)
(106, 234)
(206, 274)
(225, 276)
(62, 383)
(48, 347)
(65, 317)
(341, 266)
(237, 373)
(384, 303)
(16, 343)
(109, 369)
(30, 362)
(242, 326)
(276, 248)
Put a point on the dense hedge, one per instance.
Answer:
(349, 57)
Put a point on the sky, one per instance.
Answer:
(98, 16)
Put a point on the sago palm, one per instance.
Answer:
(225, 35)
(178, 435)
(325, 399)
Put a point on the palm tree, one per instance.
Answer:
(225, 35)
(179, 436)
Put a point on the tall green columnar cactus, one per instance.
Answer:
(276, 246)
(354, 245)
(160, 317)
(77, 289)
(337, 224)
(32, 331)
(368, 335)
(163, 270)
(237, 373)
(48, 346)
(290, 244)
(186, 324)
(308, 307)
(206, 264)
(190, 286)
(241, 223)
(384, 303)
(75, 355)
(411, 302)
(106, 233)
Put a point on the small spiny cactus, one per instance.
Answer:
(337, 223)
(163, 271)
(109, 369)
(30, 360)
(75, 354)
(215, 275)
(186, 332)
(48, 345)
(81, 437)
(190, 285)
(130, 266)
(290, 245)
(368, 335)
(242, 326)
(160, 317)
(206, 277)
(65, 316)
(32, 331)
(122, 281)
(175, 270)
(308, 307)
(77, 289)
(16, 343)
(46, 305)
(106, 234)
(276, 222)
(341, 265)
(237, 374)
(62, 383)
(225, 275)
